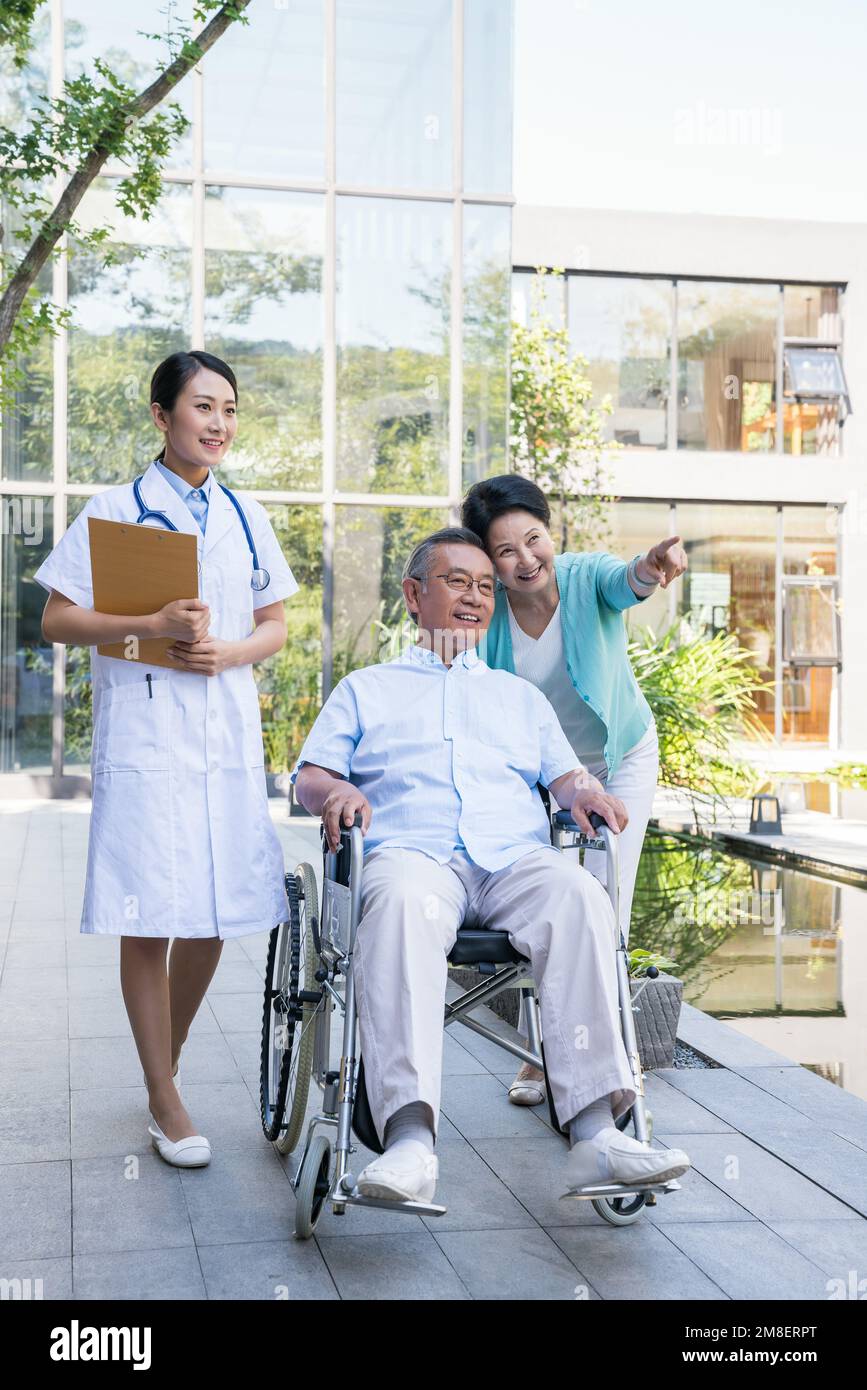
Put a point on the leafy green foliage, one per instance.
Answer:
(98, 117)
(16, 23)
(556, 430)
(687, 903)
(703, 697)
(290, 681)
(640, 961)
(845, 774)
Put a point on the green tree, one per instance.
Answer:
(71, 138)
(557, 435)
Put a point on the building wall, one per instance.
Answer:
(336, 225)
(752, 249)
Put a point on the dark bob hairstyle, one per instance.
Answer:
(494, 497)
(172, 375)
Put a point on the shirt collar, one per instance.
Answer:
(423, 656)
(181, 487)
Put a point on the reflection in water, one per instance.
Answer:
(762, 947)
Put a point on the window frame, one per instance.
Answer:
(782, 341)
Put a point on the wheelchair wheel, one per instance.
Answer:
(314, 1181)
(620, 1211)
(287, 1022)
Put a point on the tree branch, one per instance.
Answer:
(58, 219)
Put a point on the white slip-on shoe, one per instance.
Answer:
(407, 1172)
(615, 1157)
(192, 1152)
(527, 1090)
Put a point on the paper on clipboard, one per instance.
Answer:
(137, 570)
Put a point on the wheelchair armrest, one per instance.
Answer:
(343, 853)
(344, 829)
(563, 819)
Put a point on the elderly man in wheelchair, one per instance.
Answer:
(442, 756)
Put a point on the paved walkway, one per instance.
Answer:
(774, 1208)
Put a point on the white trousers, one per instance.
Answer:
(556, 914)
(634, 783)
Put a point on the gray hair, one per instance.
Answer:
(421, 558)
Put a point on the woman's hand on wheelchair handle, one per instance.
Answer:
(611, 808)
(339, 810)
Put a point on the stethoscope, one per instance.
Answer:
(260, 578)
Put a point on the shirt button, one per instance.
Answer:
(212, 714)
(213, 767)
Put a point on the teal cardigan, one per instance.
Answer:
(594, 590)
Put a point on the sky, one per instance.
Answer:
(752, 108)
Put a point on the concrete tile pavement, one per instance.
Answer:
(88, 1207)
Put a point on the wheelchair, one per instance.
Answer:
(310, 956)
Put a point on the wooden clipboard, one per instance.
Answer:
(138, 570)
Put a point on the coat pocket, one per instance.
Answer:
(237, 622)
(254, 745)
(132, 727)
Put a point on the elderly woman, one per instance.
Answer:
(558, 623)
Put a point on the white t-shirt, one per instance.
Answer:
(542, 661)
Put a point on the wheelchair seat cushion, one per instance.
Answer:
(474, 945)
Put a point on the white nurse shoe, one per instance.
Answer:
(192, 1152)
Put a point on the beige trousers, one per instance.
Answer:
(556, 913)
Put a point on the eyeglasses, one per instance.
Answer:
(463, 584)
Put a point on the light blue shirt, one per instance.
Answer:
(196, 498)
(444, 755)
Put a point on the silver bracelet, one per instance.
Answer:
(647, 585)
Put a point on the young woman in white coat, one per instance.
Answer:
(181, 844)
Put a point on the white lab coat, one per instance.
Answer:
(181, 842)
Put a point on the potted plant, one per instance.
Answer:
(656, 1000)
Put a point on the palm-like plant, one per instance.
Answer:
(703, 697)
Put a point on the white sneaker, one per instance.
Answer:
(615, 1157)
(407, 1172)
(192, 1152)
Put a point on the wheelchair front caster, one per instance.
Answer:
(620, 1211)
(312, 1188)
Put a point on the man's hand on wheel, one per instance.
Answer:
(339, 810)
(610, 808)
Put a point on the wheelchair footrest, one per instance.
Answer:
(355, 1199)
(618, 1189)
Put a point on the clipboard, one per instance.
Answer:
(137, 570)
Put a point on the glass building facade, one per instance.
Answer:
(336, 224)
(704, 365)
(693, 366)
